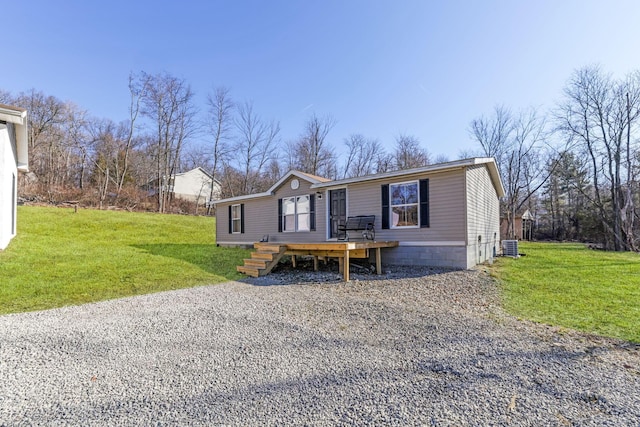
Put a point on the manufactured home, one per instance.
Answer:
(444, 215)
(14, 158)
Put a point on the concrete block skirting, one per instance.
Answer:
(430, 256)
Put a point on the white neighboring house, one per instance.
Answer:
(14, 158)
(194, 185)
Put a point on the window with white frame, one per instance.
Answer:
(296, 213)
(404, 204)
(236, 218)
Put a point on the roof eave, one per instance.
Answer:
(494, 173)
(439, 167)
(13, 115)
(18, 117)
(288, 175)
(271, 191)
(242, 198)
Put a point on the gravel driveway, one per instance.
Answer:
(433, 349)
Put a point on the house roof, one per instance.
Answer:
(194, 169)
(198, 169)
(313, 179)
(9, 113)
(489, 162)
(324, 183)
(18, 117)
(523, 213)
(528, 215)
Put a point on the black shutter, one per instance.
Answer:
(385, 206)
(424, 203)
(242, 218)
(279, 215)
(312, 212)
(230, 221)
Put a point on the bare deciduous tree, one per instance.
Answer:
(137, 92)
(254, 147)
(104, 151)
(168, 104)
(47, 116)
(515, 142)
(469, 153)
(564, 198)
(494, 133)
(6, 97)
(384, 162)
(311, 153)
(77, 144)
(409, 153)
(220, 122)
(441, 158)
(272, 173)
(601, 116)
(362, 156)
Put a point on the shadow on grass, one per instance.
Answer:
(208, 257)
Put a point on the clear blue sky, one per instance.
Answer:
(380, 68)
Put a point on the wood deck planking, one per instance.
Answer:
(344, 251)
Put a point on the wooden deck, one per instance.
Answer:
(267, 255)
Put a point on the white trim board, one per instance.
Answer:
(443, 243)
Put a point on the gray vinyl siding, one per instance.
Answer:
(446, 207)
(319, 235)
(483, 215)
(258, 221)
(261, 218)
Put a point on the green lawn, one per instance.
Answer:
(60, 257)
(572, 286)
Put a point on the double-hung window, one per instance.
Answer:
(236, 218)
(296, 213)
(404, 204)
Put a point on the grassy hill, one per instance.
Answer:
(60, 257)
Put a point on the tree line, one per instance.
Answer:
(100, 162)
(574, 167)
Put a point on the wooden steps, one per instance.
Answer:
(267, 255)
(263, 259)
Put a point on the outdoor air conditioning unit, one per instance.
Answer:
(510, 248)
